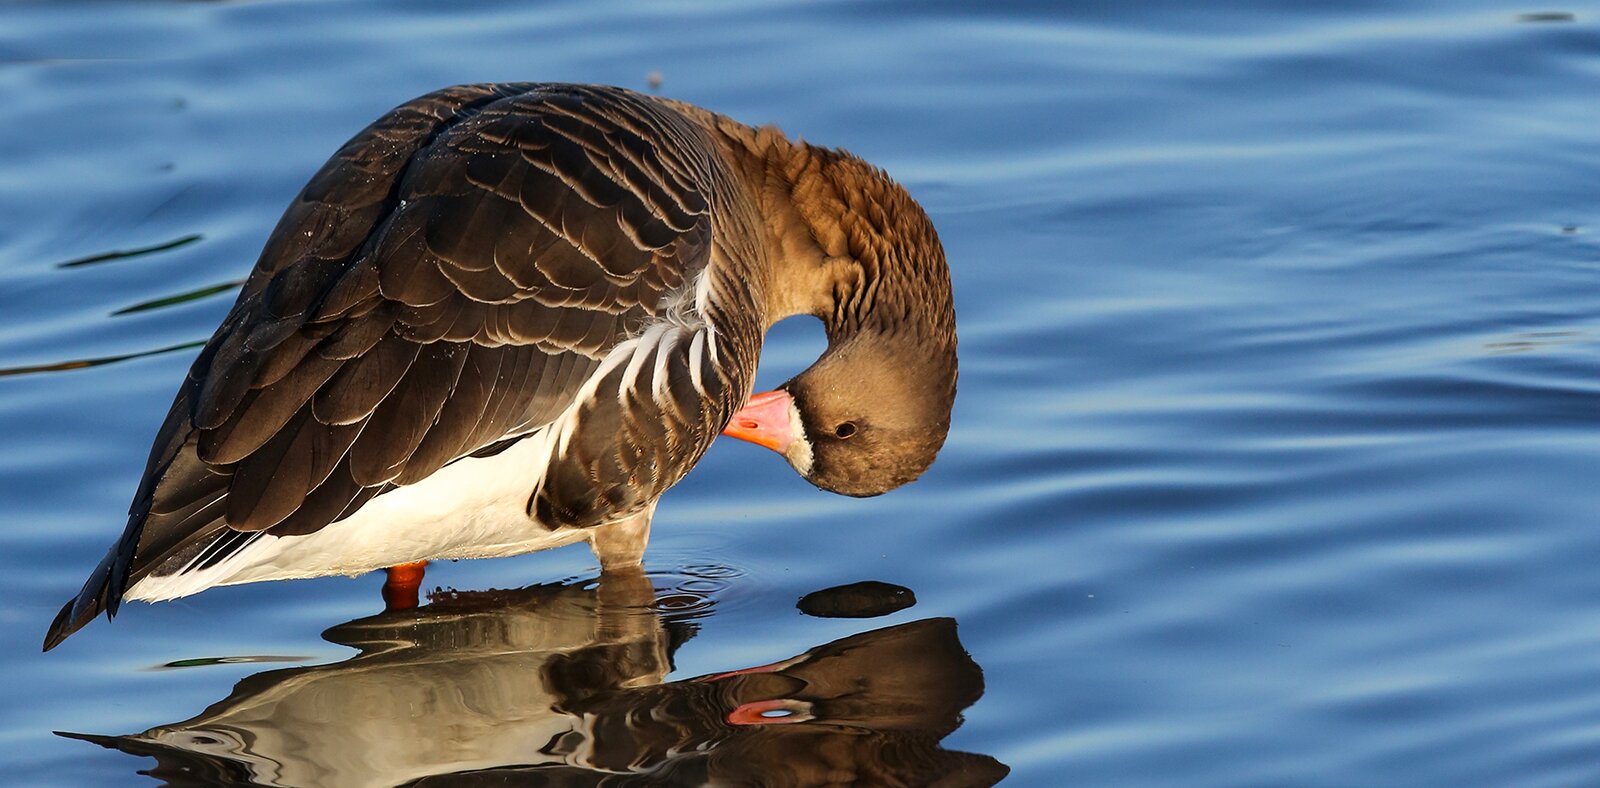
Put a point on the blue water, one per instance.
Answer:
(1276, 459)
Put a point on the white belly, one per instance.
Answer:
(474, 508)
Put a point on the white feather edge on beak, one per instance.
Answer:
(799, 453)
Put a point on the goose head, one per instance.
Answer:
(872, 412)
(861, 421)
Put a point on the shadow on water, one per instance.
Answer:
(180, 298)
(123, 254)
(84, 363)
(563, 685)
(143, 306)
(154, 249)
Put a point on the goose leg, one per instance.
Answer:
(621, 544)
(400, 589)
(623, 614)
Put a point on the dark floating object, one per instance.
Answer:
(120, 254)
(85, 363)
(866, 599)
(1548, 16)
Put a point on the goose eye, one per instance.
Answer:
(845, 429)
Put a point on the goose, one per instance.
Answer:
(508, 317)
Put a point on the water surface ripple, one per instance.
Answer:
(1277, 449)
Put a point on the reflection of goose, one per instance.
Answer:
(505, 318)
(562, 685)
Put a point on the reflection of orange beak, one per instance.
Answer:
(782, 711)
(764, 420)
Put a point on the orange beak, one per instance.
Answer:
(764, 420)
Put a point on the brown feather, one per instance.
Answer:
(399, 424)
(356, 390)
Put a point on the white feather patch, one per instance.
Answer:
(697, 358)
(473, 508)
(643, 349)
(800, 456)
(658, 375)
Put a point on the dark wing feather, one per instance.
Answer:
(449, 279)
